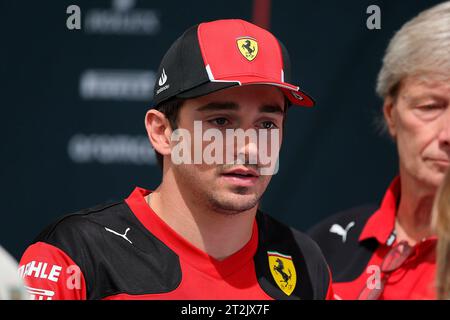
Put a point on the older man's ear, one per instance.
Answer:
(390, 116)
(159, 131)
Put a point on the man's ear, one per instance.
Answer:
(158, 131)
(390, 116)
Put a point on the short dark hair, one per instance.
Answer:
(171, 109)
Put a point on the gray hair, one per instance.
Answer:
(422, 45)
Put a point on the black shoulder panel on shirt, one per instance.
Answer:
(110, 263)
(345, 254)
(313, 278)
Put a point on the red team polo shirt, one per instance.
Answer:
(355, 243)
(125, 251)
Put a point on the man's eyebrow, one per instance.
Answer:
(271, 109)
(217, 106)
(214, 106)
(420, 98)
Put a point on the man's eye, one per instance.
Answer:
(430, 107)
(219, 121)
(268, 125)
(430, 111)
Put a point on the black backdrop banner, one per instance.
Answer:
(73, 104)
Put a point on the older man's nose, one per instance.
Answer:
(444, 133)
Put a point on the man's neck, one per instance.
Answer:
(414, 212)
(218, 234)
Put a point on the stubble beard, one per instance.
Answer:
(235, 204)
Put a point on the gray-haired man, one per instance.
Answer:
(388, 252)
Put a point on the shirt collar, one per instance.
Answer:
(191, 254)
(381, 224)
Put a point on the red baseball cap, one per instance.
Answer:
(224, 53)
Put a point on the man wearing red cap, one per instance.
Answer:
(199, 234)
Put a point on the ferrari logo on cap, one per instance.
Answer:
(283, 271)
(248, 47)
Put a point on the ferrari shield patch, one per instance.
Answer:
(248, 47)
(283, 271)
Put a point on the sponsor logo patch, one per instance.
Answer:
(283, 271)
(248, 47)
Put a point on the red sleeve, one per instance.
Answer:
(50, 274)
(330, 292)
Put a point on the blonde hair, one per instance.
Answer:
(441, 224)
(422, 45)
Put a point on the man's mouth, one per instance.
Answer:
(442, 162)
(241, 176)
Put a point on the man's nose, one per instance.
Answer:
(248, 152)
(444, 133)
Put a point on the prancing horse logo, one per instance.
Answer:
(248, 47)
(280, 269)
(283, 271)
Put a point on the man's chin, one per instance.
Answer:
(437, 179)
(233, 203)
(433, 179)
